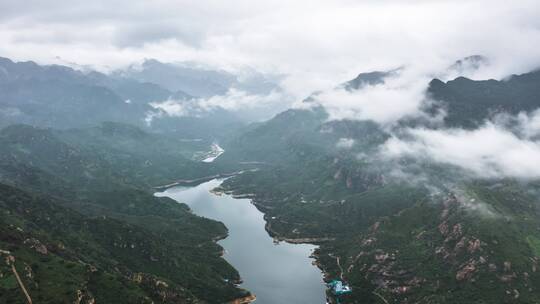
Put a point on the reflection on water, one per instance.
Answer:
(276, 274)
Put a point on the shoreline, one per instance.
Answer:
(197, 181)
(315, 241)
(276, 237)
(244, 300)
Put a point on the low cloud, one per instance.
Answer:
(491, 151)
(315, 43)
(177, 108)
(248, 107)
(401, 95)
(345, 143)
(236, 100)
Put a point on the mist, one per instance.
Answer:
(316, 44)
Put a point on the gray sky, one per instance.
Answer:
(317, 43)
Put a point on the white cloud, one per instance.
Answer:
(490, 151)
(250, 107)
(236, 100)
(399, 97)
(178, 108)
(529, 124)
(316, 43)
(345, 143)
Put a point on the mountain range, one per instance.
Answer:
(79, 165)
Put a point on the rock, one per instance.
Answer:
(381, 257)
(507, 266)
(507, 277)
(466, 272)
(457, 230)
(369, 241)
(401, 289)
(37, 245)
(474, 245)
(160, 283)
(443, 228)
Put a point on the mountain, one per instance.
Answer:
(81, 155)
(469, 64)
(371, 78)
(81, 220)
(402, 231)
(468, 102)
(195, 80)
(60, 97)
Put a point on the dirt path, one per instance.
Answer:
(381, 297)
(339, 265)
(340, 268)
(11, 260)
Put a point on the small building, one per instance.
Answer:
(339, 288)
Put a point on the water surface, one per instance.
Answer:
(276, 274)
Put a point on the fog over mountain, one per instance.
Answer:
(316, 43)
(201, 152)
(312, 45)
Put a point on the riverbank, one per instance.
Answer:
(244, 300)
(197, 181)
(276, 274)
(278, 237)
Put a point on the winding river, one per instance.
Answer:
(275, 273)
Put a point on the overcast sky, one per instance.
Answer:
(317, 43)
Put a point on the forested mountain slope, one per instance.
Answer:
(406, 230)
(81, 220)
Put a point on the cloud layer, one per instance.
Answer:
(400, 96)
(491, 151)
(316, 43)
(247, 106)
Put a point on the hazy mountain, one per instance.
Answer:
(195, 80)
(469, 102)
(469, 64)
(412, 231)
(82, 202)
(370, 78)
(410, 228)
(60, 97)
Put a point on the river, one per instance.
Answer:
(275, 273)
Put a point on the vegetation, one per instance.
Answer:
(120, 244)
(80, 221)
(398, 232)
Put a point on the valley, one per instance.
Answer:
(275, 273)
(149, 208)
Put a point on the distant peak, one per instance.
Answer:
(469, 63)
(151, 61)
(369, 78)
(4, 60)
